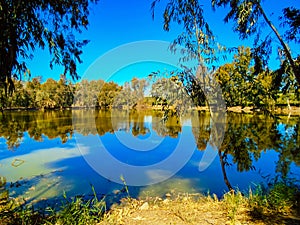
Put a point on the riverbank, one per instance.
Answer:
(293, 110)
(279, 206)
(233, 208)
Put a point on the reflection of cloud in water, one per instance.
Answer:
(37, 177)
(157, 141)
(158, 174)
(35, 162)
(187, 123)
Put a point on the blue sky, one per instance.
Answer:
(119, 22)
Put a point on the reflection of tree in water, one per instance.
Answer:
(11, 130)
(246, 136)
(122, 120)
(103, 122)
(134, 121)
(83, 121)
(201, 129)
(170, 127)
(137, 120)
(51, 124)
(289, 148)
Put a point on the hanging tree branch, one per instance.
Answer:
(286, 49)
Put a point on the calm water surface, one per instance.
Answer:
(44, 154)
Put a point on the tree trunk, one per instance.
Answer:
(286, 49)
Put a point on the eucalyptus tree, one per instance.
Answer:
(138, 87)
(33, 86)
(125, 99)
(65, 92)
(107, 94)
(46, 96)
(199, 47)
(242, 86)
(86, 93)
(170, 93)
(247, 17)
(237, 79)
(197, 37)
(27, 25)
(132, 94)
(21, 97)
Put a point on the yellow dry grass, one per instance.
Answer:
(189, 209)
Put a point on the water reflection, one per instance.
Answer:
(247, 138)
(51, 124)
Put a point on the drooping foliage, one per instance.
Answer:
(47, 24)
(249, 19)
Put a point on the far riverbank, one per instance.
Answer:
(293, 110)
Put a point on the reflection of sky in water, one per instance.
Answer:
(285, 131)
(51, 167)
(140, 142)
(138, 152)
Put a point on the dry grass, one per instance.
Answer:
(180, 209)
(234, 208)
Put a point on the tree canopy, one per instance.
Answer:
(52, 24)
(249, 19)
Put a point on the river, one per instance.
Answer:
(47, 153)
